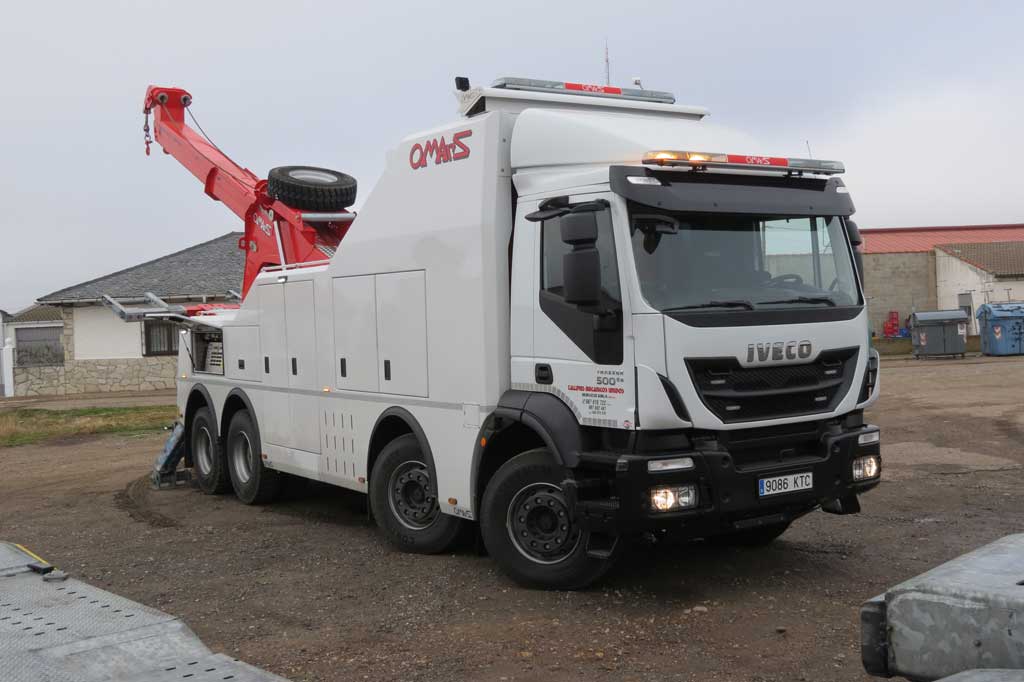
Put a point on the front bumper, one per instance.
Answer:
(610, 492)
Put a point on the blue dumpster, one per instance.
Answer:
(1001, 326)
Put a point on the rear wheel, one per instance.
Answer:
(403, 496)
(208, 465)
(751, 537)
(528, 528)
(253, 482)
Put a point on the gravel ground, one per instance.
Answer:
(307, 589)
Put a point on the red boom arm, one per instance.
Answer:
(275, 234)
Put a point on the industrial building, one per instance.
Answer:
(911, 269)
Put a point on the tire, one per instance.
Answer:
(751, 537)
(208, 464)
(524, 500)
(403, 498)
(310, 188)
(253, 482)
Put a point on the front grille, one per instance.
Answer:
(736, 394)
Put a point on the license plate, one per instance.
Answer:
(776, 485)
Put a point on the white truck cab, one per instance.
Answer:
(566, 318)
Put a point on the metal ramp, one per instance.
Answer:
(57, 629)
(964, 619)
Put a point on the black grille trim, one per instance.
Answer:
(734, 393)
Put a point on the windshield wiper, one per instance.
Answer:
(715, 304)
(803, 299)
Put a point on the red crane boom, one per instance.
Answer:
(275, 233)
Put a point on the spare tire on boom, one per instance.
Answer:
(311, 189)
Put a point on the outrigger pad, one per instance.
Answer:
(165, 470)
(965, 615)
(68, 631)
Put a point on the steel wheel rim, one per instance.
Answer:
(204, 451)
(540, 526)
(411, 496)
(310, 175)
(241, 453)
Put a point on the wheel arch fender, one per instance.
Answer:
(392, 423)
(198, 397)
(235, 402)
(524, 420)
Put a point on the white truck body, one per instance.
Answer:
(430, 307)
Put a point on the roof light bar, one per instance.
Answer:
(703, 160)
(565, 88)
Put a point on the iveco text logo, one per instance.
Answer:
(780, 350)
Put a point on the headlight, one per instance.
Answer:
(673, 498)
(869, 438)
(866, 467)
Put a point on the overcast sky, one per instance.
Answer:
(923, 101)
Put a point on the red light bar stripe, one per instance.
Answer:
(586, 87)
(758, 160)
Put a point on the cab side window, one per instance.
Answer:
(596, 330)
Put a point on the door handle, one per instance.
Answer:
(387, 370)
(295, 366)
(343, 368)
(266, 365)
(543, 374)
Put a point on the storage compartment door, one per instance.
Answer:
(242, 353)
(402, 333)
(275, 420)
(300, 319)
(355, 334)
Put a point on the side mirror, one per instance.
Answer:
(581, 267)
(858, 256)
(854, 232)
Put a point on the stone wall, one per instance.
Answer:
(94, 376)
(904, 282)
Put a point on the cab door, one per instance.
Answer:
(579, 352)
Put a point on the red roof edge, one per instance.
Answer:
(907, 230)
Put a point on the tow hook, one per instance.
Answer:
(842, 505)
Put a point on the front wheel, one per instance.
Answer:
(403, 497)
(528, 528)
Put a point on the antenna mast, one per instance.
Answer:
(607, 65)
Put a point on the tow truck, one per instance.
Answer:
(563, 320)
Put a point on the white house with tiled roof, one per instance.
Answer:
(86, 348)
(968, 275)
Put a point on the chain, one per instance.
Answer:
(145, 131)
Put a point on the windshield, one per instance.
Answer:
(722, 260)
